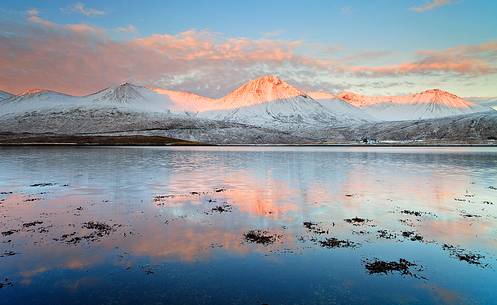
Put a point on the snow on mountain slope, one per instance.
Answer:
(480, 127)
(186, 101)
(125, 97)
(338, 106)
(428, 104)
(261, 90)
(38, 100)
(131, 97)
(5, 95)
(270, 102)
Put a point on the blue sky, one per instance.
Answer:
(363, 33)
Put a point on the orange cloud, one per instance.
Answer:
(81, 59)
(432, 64)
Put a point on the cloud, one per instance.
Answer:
(470, 60)
(431, 64)
(130, 29)
(33, 15)
(433, 4)
(82, 58)
(81, 8)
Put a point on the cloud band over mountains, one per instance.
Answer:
(79, 58)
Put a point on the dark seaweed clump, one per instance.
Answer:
(8, 253)
(9, 232)
(314, 227)
(403, 266)
(333, 242)
(42, 184)
(32, 224)
(357, 221)
(260, 237)
(100, 229)
(412, 236)
(222, 208)
(31, 199)
(385, 234)
(5, 283)
(468, 215)
(416, 213)
(464, 255)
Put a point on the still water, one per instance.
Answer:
(248, 225)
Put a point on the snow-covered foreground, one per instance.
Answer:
(264, 110)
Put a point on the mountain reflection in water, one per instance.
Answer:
(248, 225)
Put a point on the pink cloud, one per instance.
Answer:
(33, 15)
(82, 58)
(430, 65)
(430, 5)
(465, 59)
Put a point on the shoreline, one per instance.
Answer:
(75, 144)
(7, 140)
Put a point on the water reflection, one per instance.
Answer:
(75, 218)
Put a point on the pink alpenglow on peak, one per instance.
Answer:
(429, 104)
(432, 96)
(441, 97)
(261, 90)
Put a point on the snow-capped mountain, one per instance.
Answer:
(130, 97)
(5, 95)
(262, 90)
(428, 104)
(34, 100)
(124, 97)
(270, 102)
(264, 110)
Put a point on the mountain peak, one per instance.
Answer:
(265, 82)
(122, 93)
(435, 97)
(437, 92)
(441, 97)
(261, 90)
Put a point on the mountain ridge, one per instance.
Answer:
(263, 100)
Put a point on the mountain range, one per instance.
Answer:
(264, 110)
